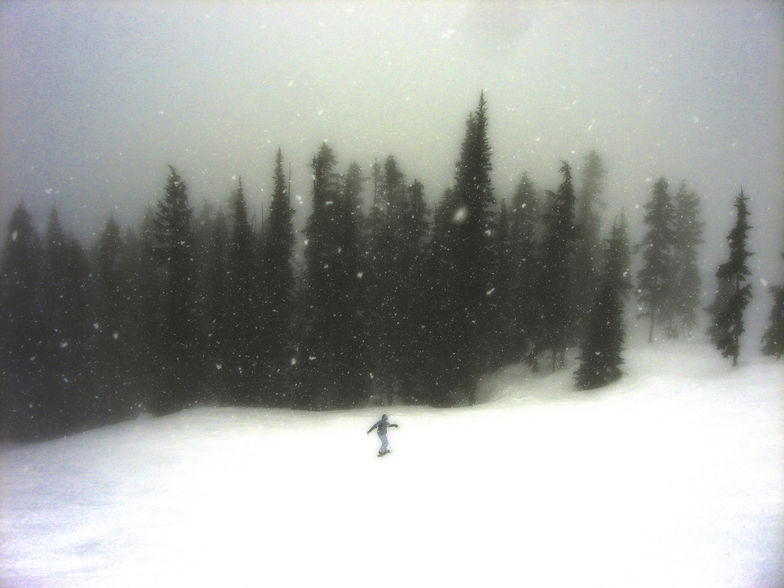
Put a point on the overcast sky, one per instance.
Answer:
(97, 97)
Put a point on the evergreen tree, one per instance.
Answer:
(655, 281)
(385, 270)
(600, 357)
(687, 233)
(218, 310)
(473, 224)
(588, 246)
(441, 303)
(78, 381)
(150, 356)
(110, 340)
(278, 280)
(175, 253)
(526, 308)
(773, 338)
(22, 387)
(556, 284)
(245, 331)
(326, 328)
(412, 293)
(350, 339)
(727, 312)
(501, 329)
(65, 343)
(620, 258)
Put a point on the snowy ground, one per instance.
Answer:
(672, 477)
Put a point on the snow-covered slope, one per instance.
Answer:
(672, 477)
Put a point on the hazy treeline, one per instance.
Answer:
(393, 301)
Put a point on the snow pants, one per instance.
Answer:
(384, 442)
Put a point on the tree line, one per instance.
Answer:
(393, 302)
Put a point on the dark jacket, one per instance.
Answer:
(382, 426)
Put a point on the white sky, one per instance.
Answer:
(97, 97)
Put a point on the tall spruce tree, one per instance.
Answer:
(602, 347)
(473, 230)
(413, 293)
(656, 279)
(278, 280)
(439, 353)
(175, 253)
(150, 354)
(773, 337)
(727, 312)
(502, 330)
(66, 337)
(324, 378)
(588, 245)
(622, 256)
(218, 310)
(350, 339)
(556, 283)
(244, 325)
(687, 233)
(383, 268)
(22, 386)
(526, 310)
(110, 337)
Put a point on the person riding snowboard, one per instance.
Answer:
(382, 426)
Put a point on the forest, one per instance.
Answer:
(388, 301)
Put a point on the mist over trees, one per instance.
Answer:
(392, 302)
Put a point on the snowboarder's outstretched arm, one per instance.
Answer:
(392, 425)
(370, 430)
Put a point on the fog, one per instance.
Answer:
(97, 97)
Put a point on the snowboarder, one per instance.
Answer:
(382, 426)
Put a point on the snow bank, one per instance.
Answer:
(673, 476)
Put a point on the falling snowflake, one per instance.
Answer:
(461, 214)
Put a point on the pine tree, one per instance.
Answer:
(727, 314)
(502, 305)
(526, 309)
(278, 280)
(441, 328)
(687, 233)
(472, 253)
(323, 327)
(773, 338)
(110, 341)
(65, 341)
(588, 246)
(600, 357)
(382, 269)
(175, 253)
(151, 353)
(22, 386)
(78, 378)
(350, 339)
(218, 311)
(413, 293)
(245, 331)
(556, 283)
(655, 281)
(619, 259)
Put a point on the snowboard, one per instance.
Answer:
(383, 453)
